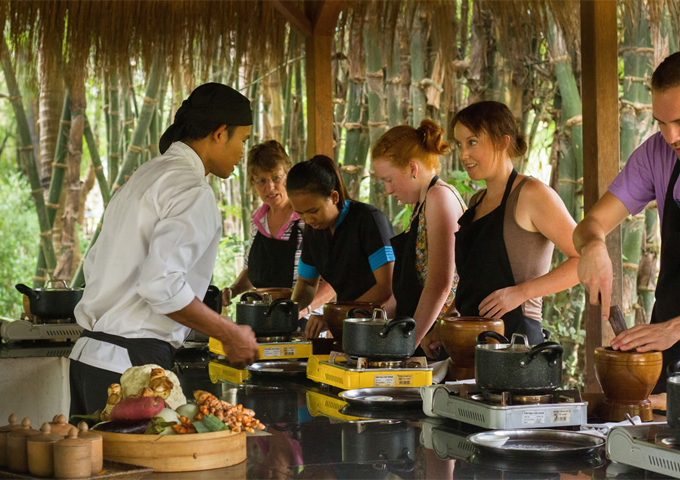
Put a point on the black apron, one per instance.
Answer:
(667, 305)
(483, 266)
(405, 284)
(271, 262)
(89, 384)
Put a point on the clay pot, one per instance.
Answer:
(40, 450)
(459, 337)
(275, 292)
(335, 313)
(96, 442)
(72, 457)
(60, 425)
(627, 379)
(13, 425)
(17, 456)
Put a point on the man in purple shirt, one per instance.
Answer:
(651, 173)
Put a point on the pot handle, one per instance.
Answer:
(673, 369)
(408, 326)
(28, 291)
(351, 313)
(250, 296)
(554, 352)
(56, 281)
(281, 304)
(481, 338)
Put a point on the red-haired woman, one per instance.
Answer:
(506, 238)
(406, 159)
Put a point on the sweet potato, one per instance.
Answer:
(137, 408)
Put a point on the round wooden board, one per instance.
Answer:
(177, 453)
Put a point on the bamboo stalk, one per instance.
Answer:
(97, 163)
(114, 122)
(417, 48)
(28, 156)
(134, 151)
(59, 165)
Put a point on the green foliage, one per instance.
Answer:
(19, 234)
(461, 180)
(229, 263)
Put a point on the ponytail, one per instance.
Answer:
(401, 144)
(318, 176)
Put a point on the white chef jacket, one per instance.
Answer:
(155, 253)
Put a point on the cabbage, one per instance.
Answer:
(189, 410)
(169, 415)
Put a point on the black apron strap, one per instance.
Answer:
(667, 305)
(142, 351)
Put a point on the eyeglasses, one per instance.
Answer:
(276, 180)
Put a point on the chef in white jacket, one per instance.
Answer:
(150, 267)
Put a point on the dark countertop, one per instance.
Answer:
(307, 443)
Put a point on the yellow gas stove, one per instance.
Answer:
(335, 370)
(294, 348)
(220, 371)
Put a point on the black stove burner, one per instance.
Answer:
(509, 398)
(274, 339)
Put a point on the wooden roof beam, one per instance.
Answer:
(295, 16)
(323, 15)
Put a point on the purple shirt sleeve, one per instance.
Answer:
(634, 185)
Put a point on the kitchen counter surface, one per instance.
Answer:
(307, 442)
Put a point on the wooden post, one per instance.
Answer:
(323, 16)
(599, 64)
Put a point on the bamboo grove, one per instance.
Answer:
(392, 63)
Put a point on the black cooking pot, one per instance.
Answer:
(267, 319)
(376, 337)
(381, 441)
(213, 298)
(52, 303)
(673, 395)
(515, 366)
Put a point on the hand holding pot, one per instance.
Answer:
(647, 338)
(501, 302)
(315, 326)
(432, 343)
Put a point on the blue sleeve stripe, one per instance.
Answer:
(381, 257)
(307, 271)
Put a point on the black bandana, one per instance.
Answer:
(209, 106)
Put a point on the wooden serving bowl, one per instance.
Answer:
(177, 453)
(459, 337)
(334, 314)
(627, 379)
(275, 292)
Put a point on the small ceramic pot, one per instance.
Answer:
(17, 456)
(97, 443)
(459, 337)
(13, 425)
(40, 450)
(72, 457)
(627, 379)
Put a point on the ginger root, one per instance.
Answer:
(115, 395)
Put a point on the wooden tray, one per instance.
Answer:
(117, 470)
(177, 453)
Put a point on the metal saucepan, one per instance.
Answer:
(52, 303)
(673, 392)
(279, 317)
(376, 337)
(517, 367)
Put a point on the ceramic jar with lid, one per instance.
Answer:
(4, 430)
(17, 457)
(72, 457)
(459, 337)
(97, 444)
(60, 425)
(40, 450)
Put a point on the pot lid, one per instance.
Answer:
(379, 317)
(255, 299)
(518, 344)
(46, 435)
(72, 441)
(25, 430)
(84, 432)
(13, 424)
(367, 321)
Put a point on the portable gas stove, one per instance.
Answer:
(33, 328)
(654, 447)
(339, 371)
(273, 348)
(505, 411)
(221, 371)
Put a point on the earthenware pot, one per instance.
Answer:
(334, 314)
(40, 451)
(459, 337)
(627, 379)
